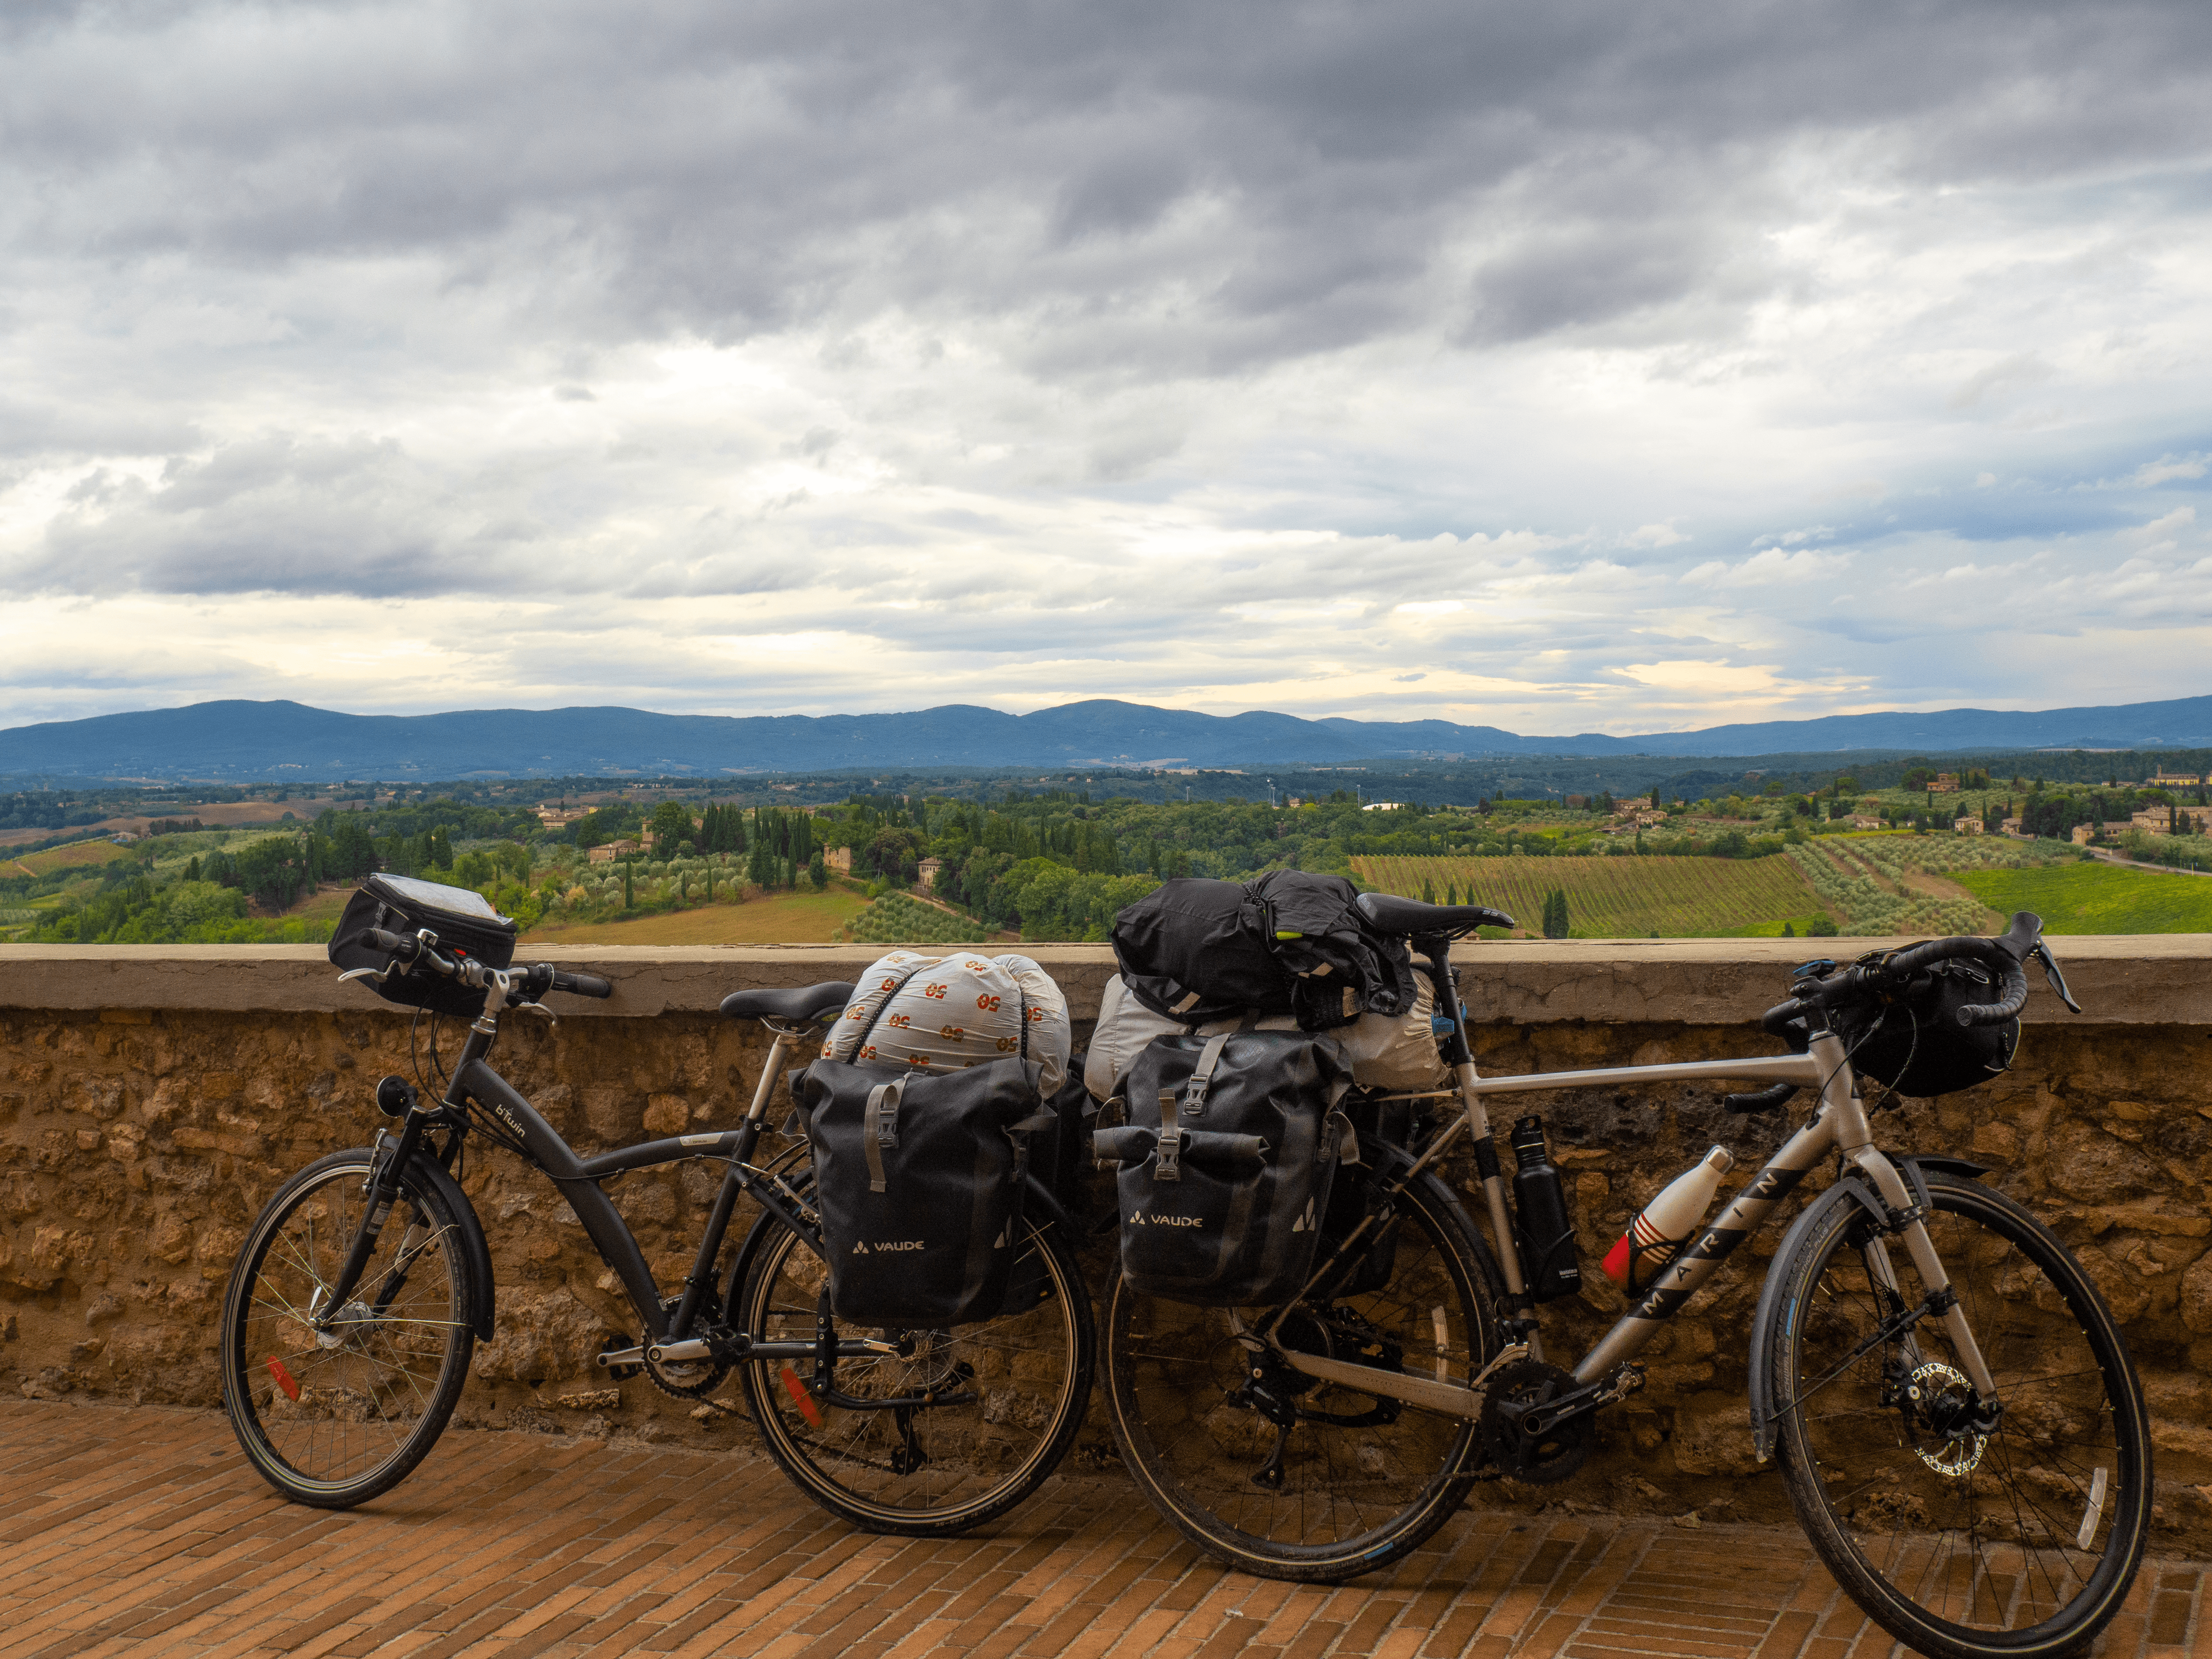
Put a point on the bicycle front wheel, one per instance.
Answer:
(1961, 1537)
(334, 1416)
(1355, 1480)
(998, 1402)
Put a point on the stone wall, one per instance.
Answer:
(151, 1097)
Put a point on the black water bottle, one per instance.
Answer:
(1548, 1262)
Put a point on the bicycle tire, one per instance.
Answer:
(1354, 1496)
(335, 1419)
(982, 1455)
(2021, 1542)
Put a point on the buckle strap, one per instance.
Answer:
(879, 1127)
(1202, 1076)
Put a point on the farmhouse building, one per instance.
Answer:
(616, 849)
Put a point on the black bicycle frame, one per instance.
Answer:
(578, 1178)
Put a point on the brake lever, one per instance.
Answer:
(374, 975)
(535, 1008)
(2041, 952)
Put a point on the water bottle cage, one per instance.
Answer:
(1672, 1247)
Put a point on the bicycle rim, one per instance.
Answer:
(2020, 1541)
(1361, 1480)
(335, 1418)
(1002, 1426)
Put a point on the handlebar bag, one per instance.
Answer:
(918, 1181)
(1226, 1163)
(1919, 1048)
(465, 922)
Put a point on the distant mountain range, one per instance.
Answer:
(239, 740)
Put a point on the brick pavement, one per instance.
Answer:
(142, 1531)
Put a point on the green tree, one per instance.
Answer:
(670, 827)
(1555, 913)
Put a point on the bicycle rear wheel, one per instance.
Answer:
(1355, 1481)
(333, 1417)
(1010, 1392)
(1961, 1538)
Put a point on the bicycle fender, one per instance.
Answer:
(1942, 1163)
(1851, 1189)
(474, 1250)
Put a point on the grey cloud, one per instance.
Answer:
(729, 170)
(272, 515)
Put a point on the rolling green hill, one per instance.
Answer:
(2096, 898)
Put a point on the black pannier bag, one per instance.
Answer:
(1289, 943)
(465, 922)
(1198, 950)
(1226, 1164)
(917, 1178)
(1919, 1048)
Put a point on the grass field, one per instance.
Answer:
(1617, 897)
(2096, 898)
(77, 853)
(784, 919)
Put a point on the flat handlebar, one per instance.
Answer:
(533, 981)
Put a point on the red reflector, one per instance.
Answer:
(284, 1379)
(792, 1386)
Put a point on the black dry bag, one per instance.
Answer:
(1226, 1163)
(917, 1178)
(1197, 951)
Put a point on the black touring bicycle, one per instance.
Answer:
(1959, 1426)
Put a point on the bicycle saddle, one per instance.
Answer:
(1390, 913)
(801, 1006)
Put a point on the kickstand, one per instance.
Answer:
(1270, 1474)
(909, 1456)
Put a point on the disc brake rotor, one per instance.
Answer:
(1939, 1400)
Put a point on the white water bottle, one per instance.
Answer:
(1664, 1225)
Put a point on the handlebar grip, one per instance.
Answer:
(583, 985)
(2010, 1000)
(392, 945)
(1762, 1100)
(1776, 1020)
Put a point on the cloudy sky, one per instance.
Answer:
(1567, 368)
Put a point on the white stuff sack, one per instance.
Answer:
(1385, 1051)
(1396, 1051)
(1125, 1026)
(946, 1013)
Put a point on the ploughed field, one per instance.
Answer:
(1616, 897)
(780, 918)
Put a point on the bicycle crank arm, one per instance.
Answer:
(735, 1349)
(1452, 1399)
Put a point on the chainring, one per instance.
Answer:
(1537, 1459)
(691, 1379)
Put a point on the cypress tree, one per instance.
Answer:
(628, 897)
